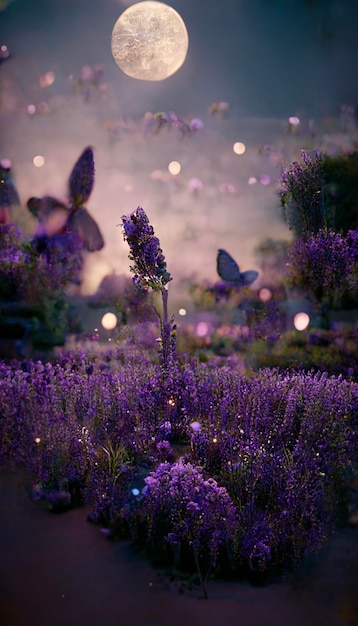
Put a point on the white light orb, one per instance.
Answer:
(149, 41)
(239, 147)
(301, 321)
(294, 121)
(109, 321)
(174, 168)
(38, 160)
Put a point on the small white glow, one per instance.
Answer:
(174, 168)
(239, 147)
(265, 179)
(301, 321)
(252, 180)
(109, 321)
(202, 329)
(37, 440)
(182, 311)
(38, 160)
(95, 330)
(265, 294)
(294, 121)
(31, 109)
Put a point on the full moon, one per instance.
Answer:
(149, 41)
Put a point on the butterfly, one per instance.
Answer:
(229, 271)
(55, 216)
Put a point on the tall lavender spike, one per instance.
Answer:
(82, 178)
(149, 269)
(149, 265)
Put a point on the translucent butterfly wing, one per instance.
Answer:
(82, 178)
(87, 229)
(227, 268)
(248, 277)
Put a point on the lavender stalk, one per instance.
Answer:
(149, 268)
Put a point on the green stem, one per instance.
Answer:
(202, 580)
(165, 328)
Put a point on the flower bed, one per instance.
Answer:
(262, 480)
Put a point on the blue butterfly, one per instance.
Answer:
(229, 270)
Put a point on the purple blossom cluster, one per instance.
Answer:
(191, 513)
(149, 266)
(325, 264)
(13, 263)
(282, 450)
(29, 271)
(170, 120)
(301, 190)
(150, 272)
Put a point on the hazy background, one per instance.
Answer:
(269, 59)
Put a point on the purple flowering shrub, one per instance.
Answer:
(302, 197)
(322, 262)
(27, 273)
(33, 281)
(325, 264)
(192, 514)
(13, 262)
(282, 448)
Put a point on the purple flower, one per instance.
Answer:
(301, 194)
(149, 266)
(325, 264)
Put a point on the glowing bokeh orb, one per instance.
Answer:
(265, 294)
(265, 179)
(149, 41)
(202, 329)
(174, 168)
(239, 147)
(182, 312)
(301, 321)
(294, 121)
(38, 160)
(109, 321)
